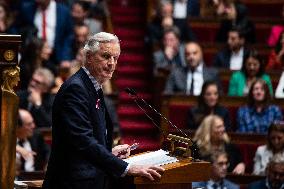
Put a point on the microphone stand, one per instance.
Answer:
(135, 97)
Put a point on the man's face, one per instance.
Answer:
(28, 125)
(170, 40)
(234, 41)
(37, 83)
(42, 3)
(103, 63)
(193, 55)
(81, 34)
(276, 175)
(219, 168)
(78, 13)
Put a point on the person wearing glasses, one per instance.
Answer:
(220, 164)
(37, 99)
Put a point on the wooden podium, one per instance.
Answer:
(178, 175)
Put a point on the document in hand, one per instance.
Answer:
(159, 157)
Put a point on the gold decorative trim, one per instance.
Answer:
(9, 55)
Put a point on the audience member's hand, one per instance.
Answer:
(239, 169)
(26, 154)
(169, 52)
(35, 97)
(149, 171)
(121, 151)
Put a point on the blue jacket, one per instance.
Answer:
(64, 27)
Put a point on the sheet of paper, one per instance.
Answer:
(159, 157)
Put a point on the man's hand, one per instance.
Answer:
(26, 154)
(35, 97)
(121, 151)
(149, 171)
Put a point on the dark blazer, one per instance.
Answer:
(261, 184)
(176, 82)
(226, 183)
(222, 59)
(81, 139)
(41, 114)
(64, 27)
(197, 114)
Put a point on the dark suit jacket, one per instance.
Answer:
(197, 114)
(222, 59)
(176, 82)
(81, 139)
(42, 114)
(261, 184)
(64, 27)
(226, 183)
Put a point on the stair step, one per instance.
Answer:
(126, 98)
(132, 70)
(127, 33)
(145, 143)
(132, 58)
(125, 19)
(129, 3)
(134, 83)
(130, 110)
(136, 127)
(126, 10)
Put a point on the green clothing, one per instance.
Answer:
(238, 83)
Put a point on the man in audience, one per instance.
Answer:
(31, 149)
(219, 160)
(37, 98)
(81, 34)
(189, 80)
(53, 23)
(274, 175)
(172, 54)
(233, 55)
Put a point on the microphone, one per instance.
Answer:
(135, 97)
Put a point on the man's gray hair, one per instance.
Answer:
(48, 76)
(93, 43)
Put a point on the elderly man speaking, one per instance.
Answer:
(81, 156)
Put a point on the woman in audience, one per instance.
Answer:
(275, 145)
(258, 114)
(208, 104)
(36, 53)
(276, 57)
(211, 136)
(252, 69)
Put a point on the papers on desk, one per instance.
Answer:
(159, 157)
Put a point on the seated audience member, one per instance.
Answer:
(235, 15)
(155, 29)
(81, 34)
(37, 99)
(189, 79)
(232, 57)
(258, 114)
(252, 69)
(208, 8)
(276, 31)
(36, 54)
(181, 11)
(275, 145)
(279, 92)
(211, 136)
(31, 149)
(276, 57)
(274, 175)
(80, 15)
(220, 164)
(208, 104)
(172, 54)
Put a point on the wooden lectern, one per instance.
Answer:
(177, 175)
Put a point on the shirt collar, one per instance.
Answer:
(239, 53)
(93, 79)
(199, 68)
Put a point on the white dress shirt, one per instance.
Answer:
(50, 15)
(180, 9)
(236, 60)
(279, 93)
(29, 163)
(198, 80)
